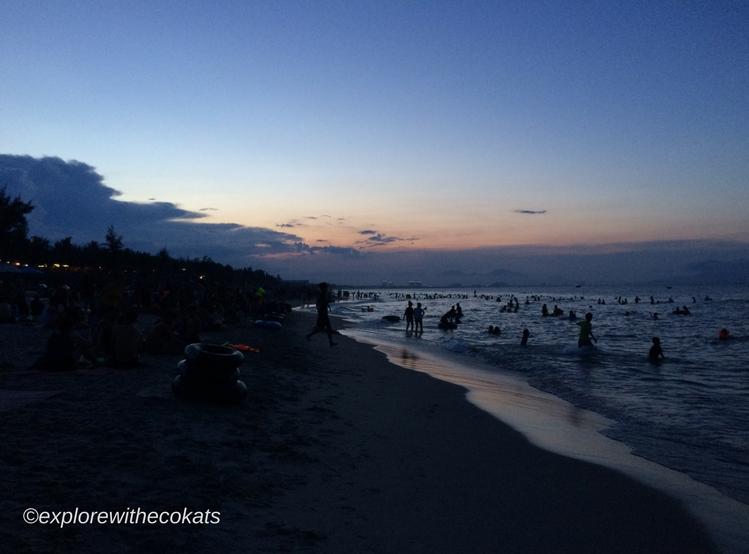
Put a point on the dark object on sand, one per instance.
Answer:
(391, 318)
(275, 317)
(267, 324)
(210, 372)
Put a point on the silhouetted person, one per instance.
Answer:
(656, 352)
(419, 318)
(408, 315)
(524, 340)
(61, 352)
(323, 319)
(127, 341)
(544, 310)
(586, 332)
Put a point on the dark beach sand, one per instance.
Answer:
(335, 450)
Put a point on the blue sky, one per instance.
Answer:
(428, 121)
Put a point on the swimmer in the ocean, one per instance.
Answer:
(524, 340)
(656, 352)
(586, 332)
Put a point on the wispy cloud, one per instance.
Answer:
(529, 212)
(376, 238)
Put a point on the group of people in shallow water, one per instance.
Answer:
(586, 337)
(414, 318)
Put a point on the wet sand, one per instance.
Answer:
(335, 450)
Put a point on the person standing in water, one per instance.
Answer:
(586, 332)
(656, 352)
(408, 315)
(323, 319)
(419, 318)
(524, 340)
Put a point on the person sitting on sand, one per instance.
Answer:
(189, 327)
(6, 311)
(163, 337)
(656, 352)
(586, 331)
(323, 319)
(126, 341)
(62, 351)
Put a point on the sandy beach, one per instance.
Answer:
(334, 450)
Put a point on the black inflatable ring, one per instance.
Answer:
(204, 355)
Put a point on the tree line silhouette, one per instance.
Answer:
(111, 255)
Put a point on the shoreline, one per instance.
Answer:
(558, 426)
(334, 450)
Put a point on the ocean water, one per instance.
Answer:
(689, 413)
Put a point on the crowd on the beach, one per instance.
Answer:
(113, 320)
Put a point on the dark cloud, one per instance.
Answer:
(286, 224)
(71, 199)
(208, 210)
(380, 239)
(530, 212)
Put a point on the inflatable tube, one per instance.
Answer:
(266, 324)
(213, 356)
(228, 393)
(205, 374)
(391, 318)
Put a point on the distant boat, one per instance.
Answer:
(578, 286)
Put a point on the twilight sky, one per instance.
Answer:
(397, 126)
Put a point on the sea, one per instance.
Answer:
(689, 413)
